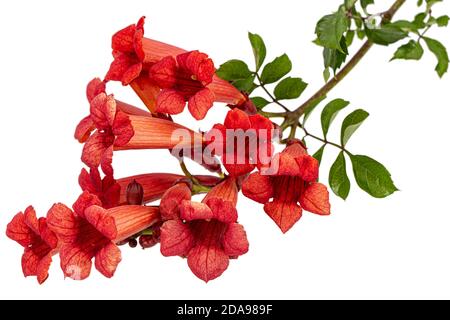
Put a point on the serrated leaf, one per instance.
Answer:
(312, 105)
(338, 178)
(319, 154)
(441, 54)
(290, 88)
(260, 102)
(259, 49)
(386, 34)
(276, 69)
(329, 113)
(372, 176)
(234, 70)
(351, 123)
(330, 30)
(411, 51)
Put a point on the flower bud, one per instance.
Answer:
(135, 193)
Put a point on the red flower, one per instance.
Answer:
(106, 189)
(118, 130)
(134, 55)
(207, 233)
(294, 182)
(184, 79)
(243, 141)
(91, 231)
(39, 242)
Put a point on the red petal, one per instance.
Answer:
(262, 123)
(107, 259)
(172, 199)
(163, 72)
(124, 68)
(84, 201)
(61, 220)
(123, 40)
(190, 210)
(198, 65)
(100, 220)
(200, 103)
(75, 262)
(170, 101)
(42, 268)
(31, 220)
(207, 260)
(258, 187)
(315, 199)
(94, 88)
(283, 164)
(309, 168)
(18, 231)
(176, 238)
(106, 161)
(237, 119)
(30, 261)
(122, 129)
(224, 211)
(235, 241)
(237, 170)
(132, 73)
(46, 234)
(84, 129)
(285, 214)
(94, 148)
(103, 111)
(86, 181)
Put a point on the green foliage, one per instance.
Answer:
(259, 49)
(329, 113)
(319, 154)
(276, 69)
(386, 34)
(260, 102)
(338, 178)
(441, 54)
(411, 51)
(234, 70)
(351, 123)
(290, 88)
(330, 30)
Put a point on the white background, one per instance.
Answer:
(398, 247)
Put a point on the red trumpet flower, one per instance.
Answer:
(118, 130)
(134, 55)
(92, 231)
(39, 242)
(243, 141)
(207, 233)
(106, 189)
(290, 180)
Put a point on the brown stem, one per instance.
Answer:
(388, 15)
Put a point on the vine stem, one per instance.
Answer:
(274, 100)
(388, 15)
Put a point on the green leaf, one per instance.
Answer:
(361, 34)
(312, 105)
(330, 30)
(406, 26)
(365, 3)
(350, 3)
(259, 49)
(442, 21)
(351, 123)
(234, 70)
(276, 69)
(330, 112)
(372, 176)
(431, 3)
(419, 3)
(441, 54)
(386, 34)
(326, 74)
(290, 88)
(419, 20)
(259, 102)
(349, 37)
(410, 51)
(319, 154)
(338, 178)
(246, 85)
(334, 58)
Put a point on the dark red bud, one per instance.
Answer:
(132, 243)
(135, 193)
(148, 241)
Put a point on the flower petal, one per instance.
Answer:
(200, 103)
(107, 259)
(258, 187)
(191, 210)
(103, 111)
(284, 214)
(84, 129)
(163, 72)
(94, 88)
(172, 199)
(122, 129)
(42, 268)
(106, 161)
(315, 199)
(235, 241)
(124, 68)
(62, 221)
(100, 220)
(31, 220)
(75, 262)
(170, 101)
(46, 234)
(84, 201)
(94, 148)
(309, 168)
(176, 238)
(237, 119)
(18, 231)
(197, 64)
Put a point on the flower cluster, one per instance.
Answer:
(110, 212)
